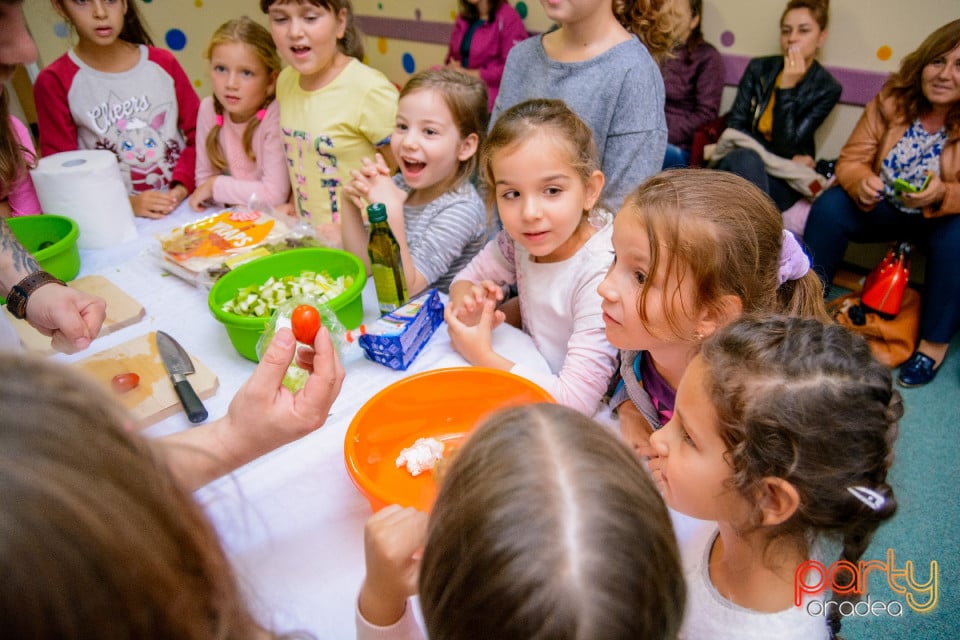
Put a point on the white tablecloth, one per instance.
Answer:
(292, 521)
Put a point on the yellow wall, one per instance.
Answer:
(871, 36)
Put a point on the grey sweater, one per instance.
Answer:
(619, 94)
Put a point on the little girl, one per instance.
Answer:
(242, 156)
(694, 249)
(334, 110)
(541, 167)
(433, 209)
(116, 91)
(564, 537)
(783, 435)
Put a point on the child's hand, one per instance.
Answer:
(635, 429)
(393, 541)
(372, 183)
(468, 305)
(474, 343)
(153, 204)
(202, 194)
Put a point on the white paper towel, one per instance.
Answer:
(87, 187)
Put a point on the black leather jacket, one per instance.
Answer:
(797, 112)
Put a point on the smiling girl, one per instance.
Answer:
(434, 210)
(243, 153)
(114, 90)
(334, 110)
(541, 167)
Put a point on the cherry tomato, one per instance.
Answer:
(305, 321)
(124, 382)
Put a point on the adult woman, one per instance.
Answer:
(693, 79)
(483, 34)
(781, 100)
(918, 108)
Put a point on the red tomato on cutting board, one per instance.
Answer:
(305, 322)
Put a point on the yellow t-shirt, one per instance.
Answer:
(765, 124)
(327, 132)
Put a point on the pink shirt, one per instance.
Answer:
(267, 177)
(22, 197)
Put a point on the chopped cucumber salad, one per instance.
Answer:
(259, 301)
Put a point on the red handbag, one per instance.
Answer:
(884, 286)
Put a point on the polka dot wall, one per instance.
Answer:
(184, 27)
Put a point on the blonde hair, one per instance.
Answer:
(726, 236)
(655, 22)
(241, 30)
(548, 526)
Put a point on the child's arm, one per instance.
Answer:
(204, 174)
(22, 197)
(392, 539)
(58, 132)
(475, 343)
(353, 233)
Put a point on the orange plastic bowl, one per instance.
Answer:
(445, 404)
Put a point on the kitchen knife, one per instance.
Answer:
(179, 366)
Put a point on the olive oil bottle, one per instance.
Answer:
(384, 251)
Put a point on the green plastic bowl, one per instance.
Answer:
(52, 240)
(244, 332)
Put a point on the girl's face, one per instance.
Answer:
(941, 79)
(541, 198)
(98, 22)
(306, 37)
(800, 30)
(568, 11)
(427, 143)
(621, 288)
(691, 469)
(240, 80)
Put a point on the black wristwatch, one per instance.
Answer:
(18, 296)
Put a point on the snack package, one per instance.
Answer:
(296, 377)
(396, 338)
(202, 251)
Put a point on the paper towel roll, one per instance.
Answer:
(87, 187)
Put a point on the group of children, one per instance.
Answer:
(773, 427)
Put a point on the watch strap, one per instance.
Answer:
(20, 293)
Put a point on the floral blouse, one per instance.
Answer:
(916, 154)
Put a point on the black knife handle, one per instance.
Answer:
(196, 412)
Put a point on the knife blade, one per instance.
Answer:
(179, 365)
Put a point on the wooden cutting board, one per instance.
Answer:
(122, 311)
(154, 399)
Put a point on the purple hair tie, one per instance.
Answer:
(261, 114)
(219, 119)
(794, 262)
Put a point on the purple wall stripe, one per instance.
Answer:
(859, 86)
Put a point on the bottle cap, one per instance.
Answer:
(376, 212)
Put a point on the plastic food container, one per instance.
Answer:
(52, 240)
(245, 331)
(445, 404)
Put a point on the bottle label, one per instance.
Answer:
(389, 295)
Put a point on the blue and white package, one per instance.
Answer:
(396, 338)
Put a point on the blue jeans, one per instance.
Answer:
(835, 220)
(676, 157)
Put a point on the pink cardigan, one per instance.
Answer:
(22, 197)
(267, 178)
(490, 45)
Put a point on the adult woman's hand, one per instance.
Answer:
(794, 68)
(869, 191)
(932, 195)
